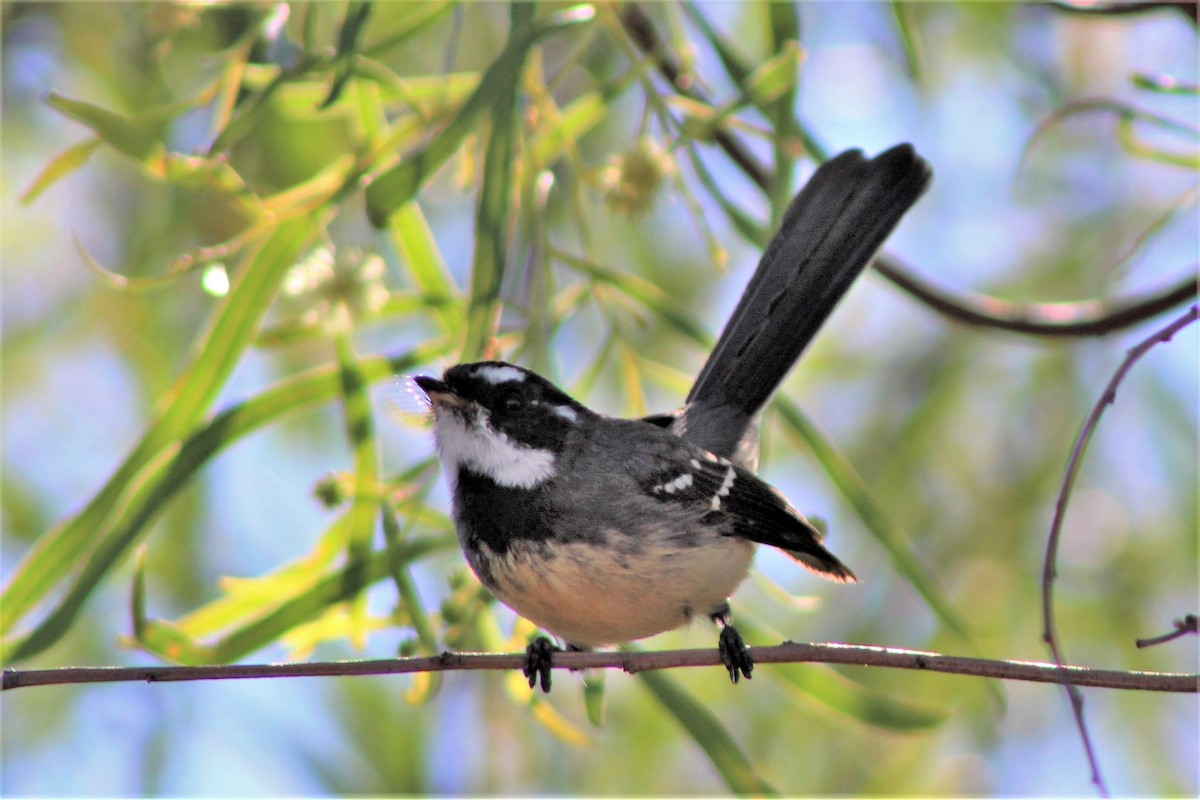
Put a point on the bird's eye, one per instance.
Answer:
(509, 400)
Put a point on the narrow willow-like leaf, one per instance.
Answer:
(582, 115)
(750, 230)
(251, 598)
(360, 431)
(395, 537)
(594, 696)
(414, 19)
(780, 108)
(409, 232)
(126, 136)
(877, 521)
(645, 293)
(218, 351)
(826, 686)
(735, 67)
(492, 213)
(400, 184)
(708, 732)
(349, 38)
(910, 37)
(335, 587)
(775, 78)
(293, 609)
(59, 167)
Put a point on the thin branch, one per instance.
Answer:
(1088, 318)
(641, 30)
(1075, 319)
(1100, 9)
(1182, 628)
(1049, 569)
(632, 662)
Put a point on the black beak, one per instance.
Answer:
(438, 391)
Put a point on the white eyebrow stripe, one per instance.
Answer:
(567, 413)
(496, 375)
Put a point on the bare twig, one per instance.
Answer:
(1098, 9)
(1182, 628)
(1076, 319)
(632, 662)
(1049, 633)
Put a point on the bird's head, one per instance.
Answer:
(500, 421)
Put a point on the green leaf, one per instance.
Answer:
(252, 598)
(709, 733)
(736, 67)
(491, 224)
(910, 37)
(674, 314)
(295, 605)
(60, 166)
(156, 487)
(414, 18)
(360, 430)
(395, 538)
(781, 103)
(878, 522)
(593, 696)
(775, 76)
(126, 136)
(87, 538)
(400, 184)
(335, 587)
(357, 14)
(409, 234)
(822, 683)
(582, 115)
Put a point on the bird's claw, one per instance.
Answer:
(539, 657)
(735, 655)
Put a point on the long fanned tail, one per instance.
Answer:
(828, 235)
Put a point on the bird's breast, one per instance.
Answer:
(611, 587)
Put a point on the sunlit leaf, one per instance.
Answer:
(877, 521)
(823, 684)
(775, 76)
(400, 184)
(123, 134)
(408, 232)
(708, 732)
(88, 538)
(59, 167)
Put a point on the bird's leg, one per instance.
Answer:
(735, 655)
(539, 656)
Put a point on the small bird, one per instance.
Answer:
(604, 530)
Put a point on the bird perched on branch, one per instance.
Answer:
(604, 530)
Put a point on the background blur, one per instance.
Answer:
(186, 233)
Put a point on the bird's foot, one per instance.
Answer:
(539, 656)
(735, 655)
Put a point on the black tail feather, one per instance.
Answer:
(828, 235)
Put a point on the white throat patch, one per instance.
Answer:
(474, 444)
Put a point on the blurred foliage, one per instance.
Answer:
(276, 202)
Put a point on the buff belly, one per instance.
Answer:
(593, 594)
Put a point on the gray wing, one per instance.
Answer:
(730, 499)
